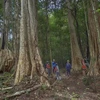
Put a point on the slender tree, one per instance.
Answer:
(75, 50)
(6, 14)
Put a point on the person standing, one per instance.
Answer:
(58, 77)
(48, 68)
(84, 68)
(53, 65)
(68, 68)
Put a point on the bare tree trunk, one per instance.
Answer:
(87, 28)
(16, 28)
(29, 58)
(22, 62)
(77, 26)
(75, 51)
(47, 29)
(94, 41)
(36, 55)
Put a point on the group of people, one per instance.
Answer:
(55, 69)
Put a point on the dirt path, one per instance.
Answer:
(68, 88)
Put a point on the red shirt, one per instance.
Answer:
(48, 66)
(83, 65)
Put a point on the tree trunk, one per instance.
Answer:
(77, 27)
(87, 28)
(29, 58)
(94, 41)
(22, 62)
(16, 28)
(75, 51)
(6, 13)
(47, 29)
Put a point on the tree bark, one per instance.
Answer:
(87, 28)
(29, 58)
(94, 41)
(75, 50)
(16, 35)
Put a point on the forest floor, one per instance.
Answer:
(75, 87)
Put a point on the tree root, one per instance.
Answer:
(7, 88)
(54, 83)
(7, 60)
(20, 92)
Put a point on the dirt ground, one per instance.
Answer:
(75, 87)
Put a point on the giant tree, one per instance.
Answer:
(29, 61)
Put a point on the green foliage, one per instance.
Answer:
(98, 10)
(74, 96)
(59, 36)
(53, 30)
(3, 78)
(58, 32)
(43, 87)
(5, 99)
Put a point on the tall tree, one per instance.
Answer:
(6, 14)
(29, 58)
(93, 39)
(75, 50)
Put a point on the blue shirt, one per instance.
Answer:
(53, 64)
(68, 66)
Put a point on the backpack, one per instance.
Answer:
(55, 69)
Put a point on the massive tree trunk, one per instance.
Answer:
(29, 58)
(22, 62)
(94, 40)
(75, 50)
